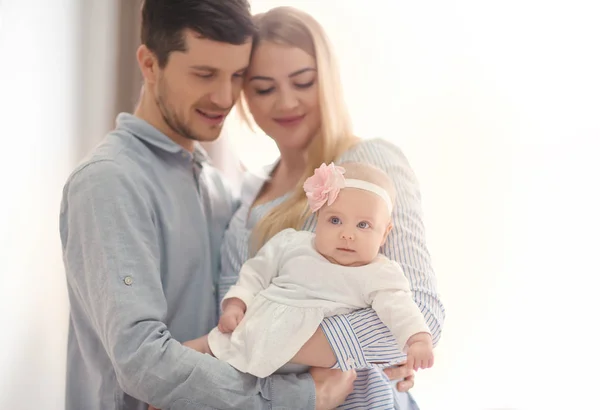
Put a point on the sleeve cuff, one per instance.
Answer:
(238, 292)
(409, 331)
(344, 342)
(292, 392)
(225, 283)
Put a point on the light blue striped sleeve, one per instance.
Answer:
(225, 282)
(360, 340)
(234, 251)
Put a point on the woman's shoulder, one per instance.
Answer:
(377, 152)
(383, 155)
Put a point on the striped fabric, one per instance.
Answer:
(359, 340)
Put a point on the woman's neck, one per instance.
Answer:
(283, 180)
(291, 167)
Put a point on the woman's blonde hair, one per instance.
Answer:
(295, 28)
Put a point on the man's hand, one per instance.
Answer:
(332, 386)
(233, 313)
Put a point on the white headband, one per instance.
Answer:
(324, 186)
(368, 186)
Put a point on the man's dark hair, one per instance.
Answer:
(164, 22)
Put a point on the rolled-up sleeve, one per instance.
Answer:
(360, 339)
(112, 259)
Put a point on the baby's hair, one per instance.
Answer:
(369, 173)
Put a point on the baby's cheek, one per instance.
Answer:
(321, 243)
(371, 249)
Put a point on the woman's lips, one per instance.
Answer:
(289, 121)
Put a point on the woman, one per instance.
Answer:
(293, 93)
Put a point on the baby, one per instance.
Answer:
(298, 278)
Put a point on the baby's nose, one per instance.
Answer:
(348, 235)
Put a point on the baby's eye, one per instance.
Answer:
(335, 220)
(363, 225)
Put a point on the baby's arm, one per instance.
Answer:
(255, 275)
(388, 292)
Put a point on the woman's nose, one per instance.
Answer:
(287, 101)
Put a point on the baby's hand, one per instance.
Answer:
(230, 320)
(233, 314)
(420, 352)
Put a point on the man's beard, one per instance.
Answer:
(170, 117)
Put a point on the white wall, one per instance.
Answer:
(497, 106)
(38, 66)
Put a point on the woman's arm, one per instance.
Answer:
(360, 339)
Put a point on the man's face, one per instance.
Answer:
(198, 87)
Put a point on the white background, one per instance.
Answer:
(496, 105)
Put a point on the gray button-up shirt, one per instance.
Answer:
(141, 225)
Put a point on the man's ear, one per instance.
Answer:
(386, 234)
(148, 64)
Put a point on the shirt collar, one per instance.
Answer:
(147, 133)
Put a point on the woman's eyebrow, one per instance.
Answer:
(261, 77)
(301, 71)
(295, 73)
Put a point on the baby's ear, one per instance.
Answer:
(387, 232)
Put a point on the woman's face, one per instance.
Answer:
(282, 94)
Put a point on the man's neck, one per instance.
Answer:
(148, 111)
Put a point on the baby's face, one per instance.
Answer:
(351, 230)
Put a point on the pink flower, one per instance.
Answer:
(324, 186)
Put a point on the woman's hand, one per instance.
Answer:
(404, 373)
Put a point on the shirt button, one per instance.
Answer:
(128, 280)
(350, 361)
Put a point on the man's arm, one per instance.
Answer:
(112, 261)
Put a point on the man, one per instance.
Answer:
(141, 223)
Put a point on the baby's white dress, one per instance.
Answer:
(288, 288)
